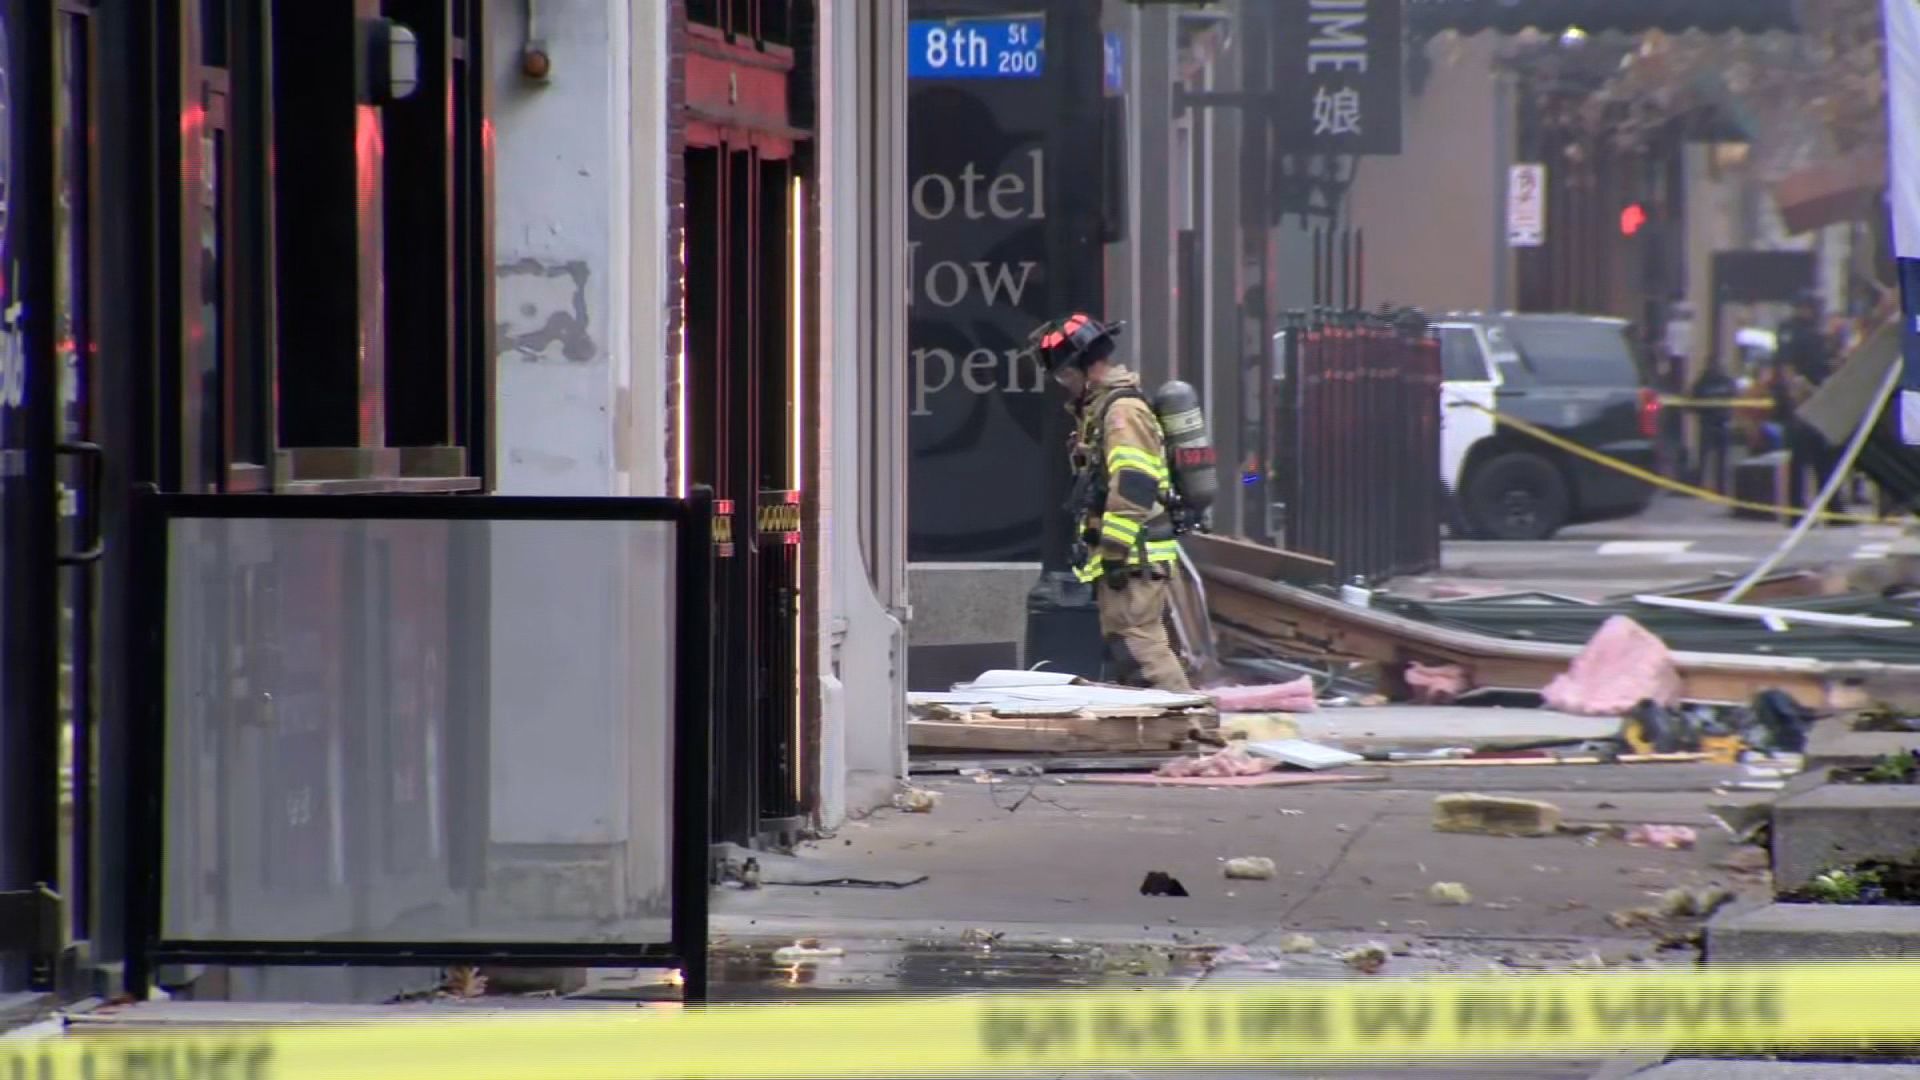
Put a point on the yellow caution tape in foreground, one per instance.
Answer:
(1659, 481)
(1800, 1007)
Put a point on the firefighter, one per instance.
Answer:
(1125, 543)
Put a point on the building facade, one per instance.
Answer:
(480, 247)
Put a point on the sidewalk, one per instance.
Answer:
(1036, 859)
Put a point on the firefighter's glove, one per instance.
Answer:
(1114, 573)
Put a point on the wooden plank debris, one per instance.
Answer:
(1273, 618)
(1052, 735)
(1051, 713)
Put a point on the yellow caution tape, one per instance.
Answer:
(1669, 484)
(1797, 1007)
(1715, 403)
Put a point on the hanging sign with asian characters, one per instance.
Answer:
(1337, 75)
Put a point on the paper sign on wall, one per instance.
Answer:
(1526, 205)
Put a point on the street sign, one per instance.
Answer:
(1006, 48)
(1526, 205)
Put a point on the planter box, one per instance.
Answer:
(1838, 747)
(1839, 824)
(1809, 932)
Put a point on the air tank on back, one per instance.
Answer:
(1189, 451)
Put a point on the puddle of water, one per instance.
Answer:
(753, 969)
(756, 970)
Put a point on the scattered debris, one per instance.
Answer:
(1294, 697)
(1449, 893)
(750, 873)
(973, 935)
(1161, 883)
(464, 982)
(1687, 938)
(1635, 918)
(1270, 779)
(1774, 721)
(916, 800)
(1668, 837)
(1297, 944)
(1302, 754)
(1747, 860)
(1251, 868)
(1259, 726)
(1711, 899)
(1622, 665)
(1235, 760)
(1593, 961)
(1052, 712)
(807, 950)
(1681, 903)
(1367, 958)
(1494, 815)
(1436, 684)
(1747, 822)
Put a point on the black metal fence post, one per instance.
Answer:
(1353, 444)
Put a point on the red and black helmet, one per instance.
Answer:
(1079, 339)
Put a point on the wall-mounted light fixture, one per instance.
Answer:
(392, 68)
(535, 63)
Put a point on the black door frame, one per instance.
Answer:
(741, 163)
(29, 599)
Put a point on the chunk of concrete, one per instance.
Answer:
(1840, 824)
(1834, 746)
(1779, 933)
(1494, 815)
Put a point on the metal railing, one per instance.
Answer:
(1352, 440)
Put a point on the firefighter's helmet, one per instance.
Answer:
(1077, 340)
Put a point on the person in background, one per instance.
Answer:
(1716, 424)
(1672, 350)
(1802, 363)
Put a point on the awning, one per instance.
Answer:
(1596, 16)
(1832, 192)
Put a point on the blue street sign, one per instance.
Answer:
(976, 48)
(1116, 63)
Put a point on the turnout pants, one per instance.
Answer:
(1133, 622)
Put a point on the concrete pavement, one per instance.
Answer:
(1033, 859)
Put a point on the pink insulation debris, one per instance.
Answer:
(1622, 665)
(1436, 684)
(1670, 837)
(1295, 696)
(1233, 761)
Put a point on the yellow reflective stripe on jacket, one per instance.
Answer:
(1115, 527)
(1158, 551)
(1132, 457)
